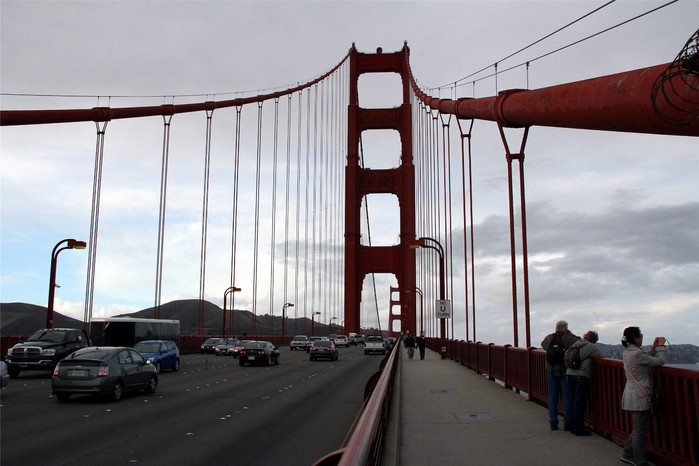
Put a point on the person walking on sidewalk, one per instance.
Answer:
(409, 343)
(421, 344)
(578, 379)
(555, 345)
(637, 365)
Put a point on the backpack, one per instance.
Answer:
(572, 357)
(555, 354)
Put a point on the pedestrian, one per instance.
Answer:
(555, 345)
(637, 366)
(421, 344)
(579, 380)
(409, 343)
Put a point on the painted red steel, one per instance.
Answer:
(618, 102)
(361, 260)
(37, 117)
(674, 438)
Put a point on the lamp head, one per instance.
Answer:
(73, 244)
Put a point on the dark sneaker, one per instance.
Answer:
(554, 426)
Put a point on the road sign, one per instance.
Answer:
(443, 309)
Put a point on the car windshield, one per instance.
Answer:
(255, 344)
(147, 347)
(48, 335)
(299, 338)
(211, 341)
(380, 339)
(95, 354)
(322, 343)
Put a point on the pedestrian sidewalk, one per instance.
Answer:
(445, 413)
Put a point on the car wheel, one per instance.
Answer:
(117, 391)
(157, 367)
(152, 384)
(13, 372)
(177, 365)
(242, 363)
(312, 358)
(269, 361)
(62, 396)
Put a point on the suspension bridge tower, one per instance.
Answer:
(399, 259)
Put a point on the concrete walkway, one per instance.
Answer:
(445, 413)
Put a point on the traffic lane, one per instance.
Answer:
(184, 418)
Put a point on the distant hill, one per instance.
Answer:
(25, 319)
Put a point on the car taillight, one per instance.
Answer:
(55, 371)
(260, 351)
(103, 371)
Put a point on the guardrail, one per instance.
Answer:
(366, 443)
(674, 437)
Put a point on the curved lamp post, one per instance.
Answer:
(230, 290)
(331, 323)
(313, 320)
(69, 244)
(284, 318)
(418, 291)
(422, 243)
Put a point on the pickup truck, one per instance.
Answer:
(44, 349)
(374, 344)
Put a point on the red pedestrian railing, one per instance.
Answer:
(674, 438)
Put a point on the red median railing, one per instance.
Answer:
(674, 437)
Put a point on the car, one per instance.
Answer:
(226, 348)
(374, 344)
(341, 340)
(209, 345)
(332, 337)
(324, 349)
(110, 371)
(4, 375)
(44, 349)
(259, 352)
(298, 342)
(239, 347)
(312, 340)
(162, 354)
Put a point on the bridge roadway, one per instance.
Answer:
(446, 414)
(292, 414)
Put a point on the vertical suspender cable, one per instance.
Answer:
(299, 154)
(446, 152)
(257, 217)
(306, 216)
(314, 298)
(286, 201)
(467, 138)
(234, 216)
(161, 216)
(94, 222)
(204, 221)
(274, 216)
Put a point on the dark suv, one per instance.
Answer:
(44, 349)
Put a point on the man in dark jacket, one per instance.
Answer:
(555, 345)
(421, 343)
(409, 343)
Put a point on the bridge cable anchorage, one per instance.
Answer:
(671, 101)
(101, 127)
(466, 136)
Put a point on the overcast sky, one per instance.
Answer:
(612, 217)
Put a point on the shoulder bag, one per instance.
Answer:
(653, 397)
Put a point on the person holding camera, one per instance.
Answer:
(637, 365)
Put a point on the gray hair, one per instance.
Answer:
(561, 325)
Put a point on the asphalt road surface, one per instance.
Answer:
(211, 412)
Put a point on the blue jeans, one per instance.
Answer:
(559, 386)
(579, 388)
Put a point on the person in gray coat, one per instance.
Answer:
(579, 380)
(637, 365)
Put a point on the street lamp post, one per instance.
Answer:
(230, 290)
(70, 244)
(284, 318)
(331, 323)
(313, 321)
(419, 291)
(422, 243)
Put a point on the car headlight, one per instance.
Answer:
(48, 352)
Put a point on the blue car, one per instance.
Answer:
(162, 354)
